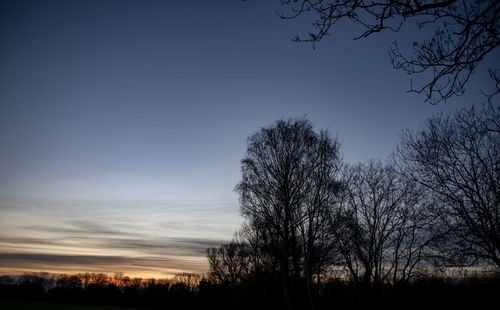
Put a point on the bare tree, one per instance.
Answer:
(465, 32)
(288, 179)
(258, 247)
(457, 157)
(229, 263)
(322, 190)
(99, 279)
(415, 236)
(118, 278)
(381, 225)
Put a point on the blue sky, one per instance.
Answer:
(123, 122)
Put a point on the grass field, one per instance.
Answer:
(22, 305)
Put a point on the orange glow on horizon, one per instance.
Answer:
(157, 275)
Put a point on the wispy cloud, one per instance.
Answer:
(140, 265)
(152, 238)
(76, 228)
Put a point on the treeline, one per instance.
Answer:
(256, 291)
(374, 226)
(186, 291)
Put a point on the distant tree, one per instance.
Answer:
(229, 263)
(381, 226)
(189, 280)
(288, 180)
(99, 279)
(85, 278)
(465, 32)
(457, 157)
(137, 282)
(118, 278)
(127, 281)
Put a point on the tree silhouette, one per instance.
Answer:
(465, 32)
(457, 157)
(289, 180)
(381, 225)
(229, 263)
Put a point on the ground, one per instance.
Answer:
(23, 305)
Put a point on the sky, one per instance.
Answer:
(123, 123)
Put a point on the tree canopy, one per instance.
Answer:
(457, 157)
(287, 188)
(309, 216)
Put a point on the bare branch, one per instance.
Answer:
(466, 32)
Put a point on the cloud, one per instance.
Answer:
(100, 263)
(69, 230)
(151, 246)
(67, 259)
(169, 246)
(145, 256)
(96, 235)
(153, 237)
(28, 241)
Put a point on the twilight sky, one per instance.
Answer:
(122, 123)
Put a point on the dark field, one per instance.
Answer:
(429, 293)
(23, 305)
